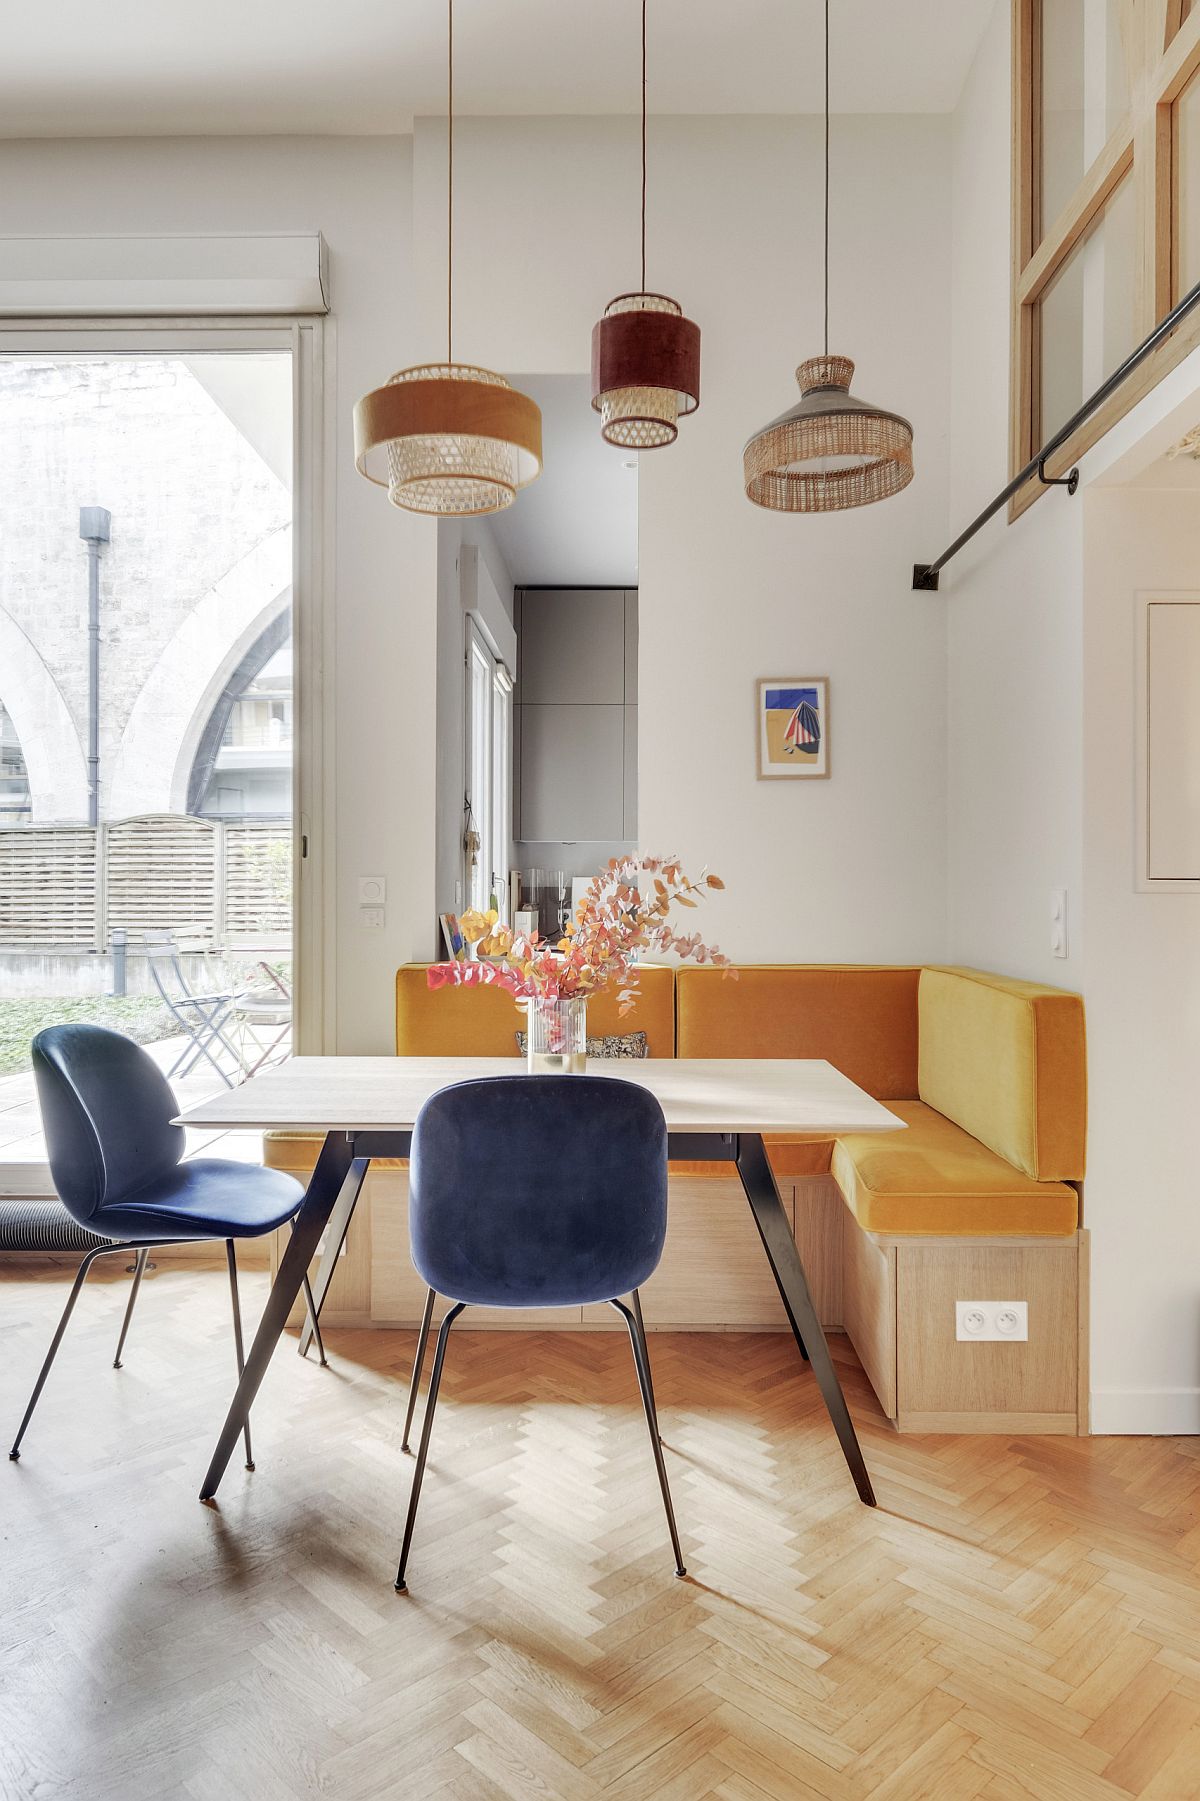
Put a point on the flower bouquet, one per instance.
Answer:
(625, 913)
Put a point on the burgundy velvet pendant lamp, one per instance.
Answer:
(645, 353)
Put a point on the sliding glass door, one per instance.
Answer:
(149, 716)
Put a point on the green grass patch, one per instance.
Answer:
(140, 1016)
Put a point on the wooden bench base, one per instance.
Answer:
(894, 1297)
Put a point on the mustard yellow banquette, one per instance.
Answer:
(978, 1199)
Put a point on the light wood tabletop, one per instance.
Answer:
(700, 1095)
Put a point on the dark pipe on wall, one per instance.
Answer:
(94, 529)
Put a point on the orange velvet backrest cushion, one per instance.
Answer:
(860, 1018)
(483, 1022)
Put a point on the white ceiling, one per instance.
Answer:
(577, 525)
(364, 66)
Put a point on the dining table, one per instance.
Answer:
(716, 1110)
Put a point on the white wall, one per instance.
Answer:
(1041, 772)
(1143, 998)
(1013, 600)
(546, 234)
(380, 651)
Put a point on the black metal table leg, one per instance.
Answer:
(337, 1155)
(786, 1267)
(335, 1238)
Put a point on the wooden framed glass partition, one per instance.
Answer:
(1106, 207)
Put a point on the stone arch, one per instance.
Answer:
(159, 743)
(54, 757)
(260, 652)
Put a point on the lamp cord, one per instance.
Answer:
(450, 182)
(643, 146)
(826, 177)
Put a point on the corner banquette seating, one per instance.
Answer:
(979, 1199)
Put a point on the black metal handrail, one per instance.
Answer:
(925, 575)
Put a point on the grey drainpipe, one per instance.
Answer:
(94, 523)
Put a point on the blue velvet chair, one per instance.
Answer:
(115, 1158)
(537, 1191)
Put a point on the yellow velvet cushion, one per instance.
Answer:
(860, 1018)
(297, 1152)
(935, 1178)
(1006, 1061)
(483, 1022)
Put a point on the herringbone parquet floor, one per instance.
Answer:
(1019, 1618)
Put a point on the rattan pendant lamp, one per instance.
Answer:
(448, 438)
(832, 450)
(645, 354)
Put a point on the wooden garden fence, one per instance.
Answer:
(220, 884)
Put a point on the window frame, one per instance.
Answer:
(305, 339)
(487, 768)
(1162, 50)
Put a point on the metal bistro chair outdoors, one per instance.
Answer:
(203, 1018)
(537, 1191)
(115, 1158)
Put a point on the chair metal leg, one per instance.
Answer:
(231, 1259)
(641, 1359)
(103, 1250)
(636, 1308)
(337, 1226)
(415, 1385)
(439, 1357)
(139, 1270)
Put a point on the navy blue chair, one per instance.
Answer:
(537, 1191)
(115, 1159)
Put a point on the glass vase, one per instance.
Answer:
(556, 1037)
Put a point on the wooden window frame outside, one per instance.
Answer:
(1162, 51)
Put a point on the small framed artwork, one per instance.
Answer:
(456, 948)
(792, 720)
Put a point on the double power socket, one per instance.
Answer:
(992, 1320)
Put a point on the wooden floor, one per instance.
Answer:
(1019, 1618)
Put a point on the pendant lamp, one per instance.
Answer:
(645, 354)
(448, 438)
(832, 450)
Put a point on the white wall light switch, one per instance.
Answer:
(991, 1322)
(1059, 937)
(371, 917)
(372, 890)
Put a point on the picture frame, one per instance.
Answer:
(791, 723)
(456, 948)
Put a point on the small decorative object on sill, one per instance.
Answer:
(645, 354)
(448, 438)
(832, 450)
(624, 915)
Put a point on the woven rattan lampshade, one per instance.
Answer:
(448, 438)
(831, 451)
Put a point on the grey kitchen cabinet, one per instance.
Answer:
(572, 647)
(572, 772)
(575, 761)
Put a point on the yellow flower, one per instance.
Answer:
(475, 925)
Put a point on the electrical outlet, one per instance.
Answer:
(991, 1321)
